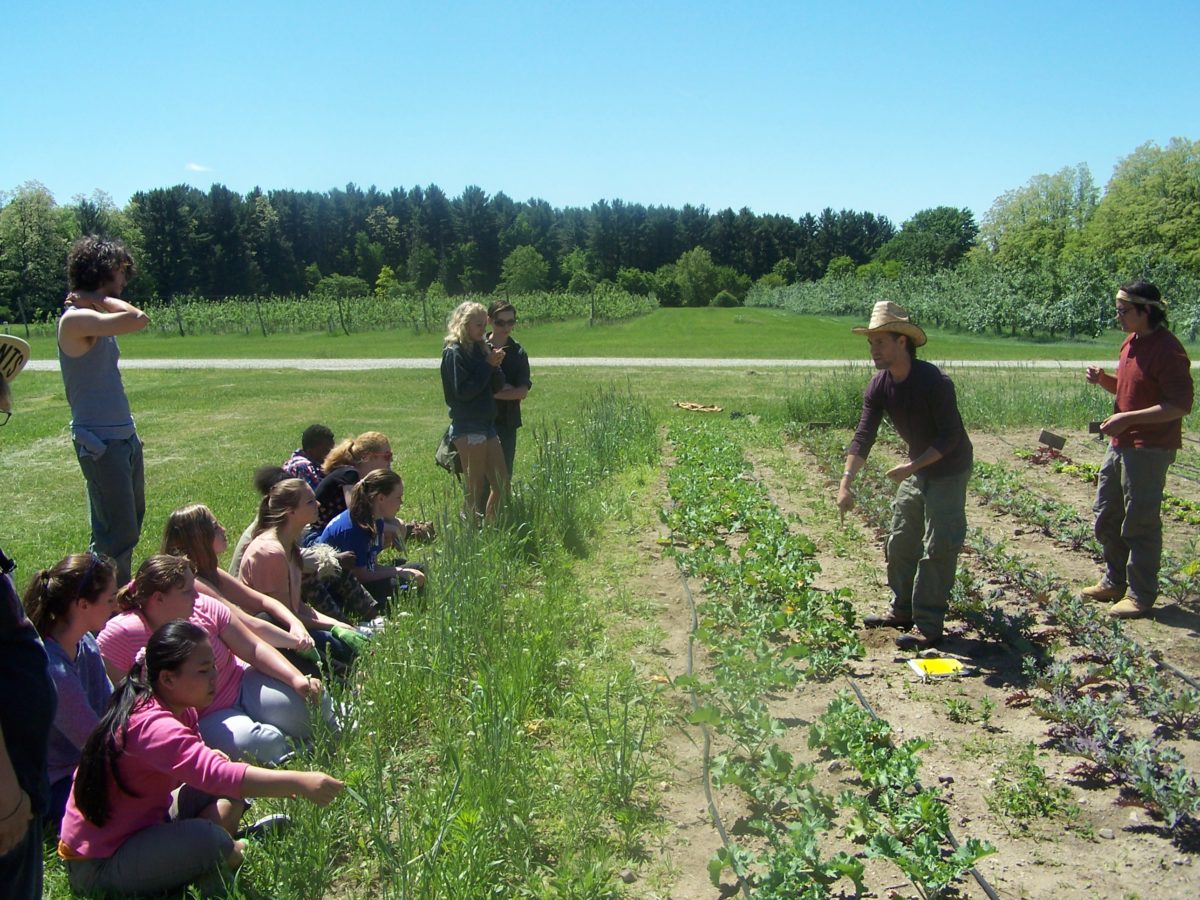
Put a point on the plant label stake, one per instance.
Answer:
(1052, 440)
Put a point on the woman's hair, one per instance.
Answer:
(156, 575)
(498, 306)
(266, 477)
(1144, 289)
(168, 649)
(352, 450)
(80, 576)
(190, 532)
(93, 260)
(379, 483)
(280, 500)
(456, 325)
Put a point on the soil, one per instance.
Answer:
(1111, 849)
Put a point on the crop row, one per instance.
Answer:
(768, 629)
(1180, 508)
(1086, 707)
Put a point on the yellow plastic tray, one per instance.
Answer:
(936, 667)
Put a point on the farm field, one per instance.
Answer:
(530, 727)
(745, 333)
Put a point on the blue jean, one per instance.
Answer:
(929, 526)
(21, 867)
(116, 488)
(1129, 518)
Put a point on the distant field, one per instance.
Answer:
(717, 333)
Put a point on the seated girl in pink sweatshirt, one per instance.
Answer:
(259, 708)
(123, 832)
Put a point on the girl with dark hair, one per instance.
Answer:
(273, 566)
(361, 530)
(259, 708)
(67, 603)
(195, 533)
(123, 832)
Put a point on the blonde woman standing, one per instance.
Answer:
(470, 377)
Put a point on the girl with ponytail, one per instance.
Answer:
(362, 530)
(67, 603)
(344, 466)
(272, 566)
(259, 707)
(123, 833)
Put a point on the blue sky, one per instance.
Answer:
(781, 107)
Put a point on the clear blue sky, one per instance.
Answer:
(782, 107)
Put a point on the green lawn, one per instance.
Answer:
(752, 333)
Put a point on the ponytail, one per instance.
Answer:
(379, 483)
(156, 575)
(51, 592)
(167, 650)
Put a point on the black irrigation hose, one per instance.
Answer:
(983, 883)
(712, 804)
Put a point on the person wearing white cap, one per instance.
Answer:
(27, 706)
(1152, 391)
(106, 441)
(929, 519)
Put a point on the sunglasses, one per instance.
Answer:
(505, 323)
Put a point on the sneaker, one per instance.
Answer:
(1102, 590)
(268, 826)
(917, 641)
(1130, 608)
(890, 619)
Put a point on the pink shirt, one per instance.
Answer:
(161, 752)
(267, 568)
(125, 634)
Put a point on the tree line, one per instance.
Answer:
(1057, 234)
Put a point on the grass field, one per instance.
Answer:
(700, 333)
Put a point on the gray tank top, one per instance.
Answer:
(99, 407)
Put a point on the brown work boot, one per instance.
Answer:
(1102, 590)
(918, 640)
(1130, 608)
(890, 619)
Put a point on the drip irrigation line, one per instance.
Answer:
(1178, 673)
(712, 804)
(983, 882)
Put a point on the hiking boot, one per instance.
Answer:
(1130, 608)
(890, 619)
(917, 641)
(1102, 590)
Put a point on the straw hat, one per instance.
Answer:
(887, 316)
(14, 353)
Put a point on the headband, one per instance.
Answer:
(1144, 301)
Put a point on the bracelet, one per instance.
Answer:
(20, 796)
(847, 474)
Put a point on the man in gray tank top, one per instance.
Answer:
(106, 442)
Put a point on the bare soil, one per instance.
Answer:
(1112, 850)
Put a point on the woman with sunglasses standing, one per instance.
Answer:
(67, 604)
(502, 316)
(27, 706)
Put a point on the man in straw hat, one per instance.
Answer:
(929, 519)
(1153, 390)
(27, 706)
(106, 441)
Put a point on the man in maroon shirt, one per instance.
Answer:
(929, 518)
(1153, 389)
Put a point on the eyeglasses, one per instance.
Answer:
(505, 323)
(1124, 310)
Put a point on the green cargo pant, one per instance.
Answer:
(929, 525)
(1128, 512)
